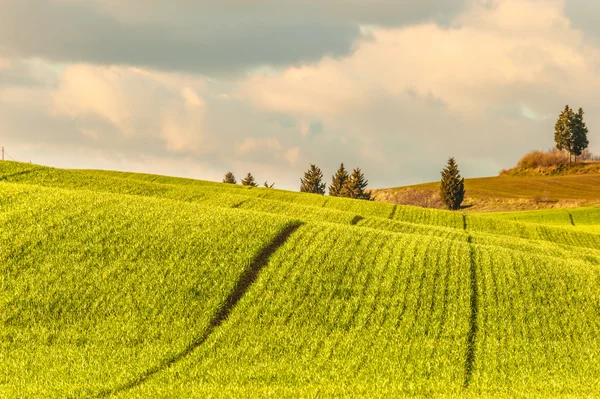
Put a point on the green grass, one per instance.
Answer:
(391, 316)
(98, 288)
(128, 285)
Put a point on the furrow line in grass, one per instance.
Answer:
(235, 206)
(342, 310)
(245, 281)
(408, 283)
(438, 264)
(410, 342)
(330, 301)
(383, 275)
(473, 319)
(296, 282)
(393, 214)
(365, 287)
(444, 314)
(23, 172)
(397, 268)
(356, 219)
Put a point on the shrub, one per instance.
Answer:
(542, 159)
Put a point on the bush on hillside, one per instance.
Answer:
(543, 159)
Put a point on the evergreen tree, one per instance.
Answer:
(563, 130)
(452, 190)
(229, 178)
(313, 181)
(579, 131)
(249, 180)
(338, 182)
(355, 186)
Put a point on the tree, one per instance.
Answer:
(562, 130)
(355, 186)
(313, 181)
(570, 132)
(249, 180)
(229, 178)
(579, 131)
(452, 190)
(338, 182)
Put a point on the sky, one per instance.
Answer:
(196, 88)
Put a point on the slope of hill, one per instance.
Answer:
(509, 193)
(124, 285)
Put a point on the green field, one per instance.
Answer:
(139, 286)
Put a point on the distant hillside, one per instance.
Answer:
(509, 192)
(579, 168)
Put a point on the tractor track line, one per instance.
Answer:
(245, 281)
(473, 319)
(393, 214)
(356, 219)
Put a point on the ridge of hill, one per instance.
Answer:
(125, 285)
(506, 193)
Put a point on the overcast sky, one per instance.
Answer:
(195, 88)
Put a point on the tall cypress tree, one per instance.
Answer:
(563, 130)
(579, 131)
(355, 186)
(452, 190)
(338, 182)
(249, 180)
(229, 178)
(313, 181)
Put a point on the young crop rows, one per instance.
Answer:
(126, 285)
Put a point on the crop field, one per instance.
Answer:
(123, 285)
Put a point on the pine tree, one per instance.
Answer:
(249, 180)
(338, 182)
(579, 131)
(229, 178)
(563, 130)
(452, 190)
(313, 181)
(355, 186)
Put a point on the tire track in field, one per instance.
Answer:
(473, 319)
(23, 172)
(356, 219)
(393, 214)
(245, 281)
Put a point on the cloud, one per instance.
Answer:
(134, 102)
(415, 83)
(213, 38)
(250, 144)
(434, 91)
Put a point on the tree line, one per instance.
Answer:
(342, 184)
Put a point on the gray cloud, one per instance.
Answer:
(200, 36)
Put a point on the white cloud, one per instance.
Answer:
(292, 155)
(251, 144)
(136, 102)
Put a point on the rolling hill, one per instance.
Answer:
(129, 285)
(511, 193)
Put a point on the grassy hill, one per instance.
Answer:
(128, 285)
(510, 193)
